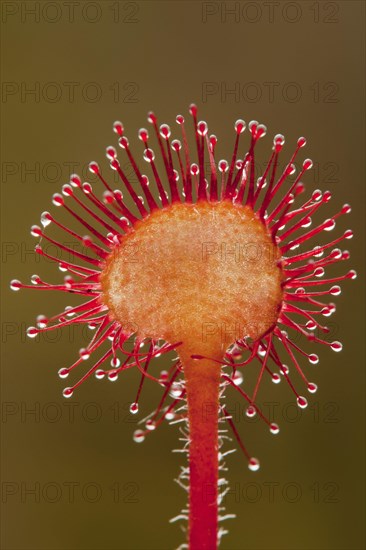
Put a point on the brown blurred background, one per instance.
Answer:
(69, 69)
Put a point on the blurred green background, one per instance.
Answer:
(299, 68)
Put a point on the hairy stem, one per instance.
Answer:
(202, 385)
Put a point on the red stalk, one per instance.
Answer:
(202, 385)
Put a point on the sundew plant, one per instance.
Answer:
(209, 263)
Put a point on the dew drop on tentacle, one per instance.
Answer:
(111, 152)
(175, 390)
(240, 126)
(335, 290)
(312, 388)
(68, 392)
(302, 402)
(150, 425)
(94, 167)
(139, 436)
(118, 128)
(46, 219)
(115, 362)
(134, 408)
(202, 128)
(113, 376)
(251, 412)
(274, 428)
(15, 285)
(36, 231)
(336, 346)
(313, 359)
(253, 464)
(284, 370)
(164, 375)
(238, 378)
(63, 373)
(84, 354)
(329, 225)
(32, 332)
(75, 180)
